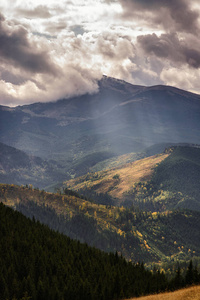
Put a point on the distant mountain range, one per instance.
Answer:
(17, 167)
(121, 118)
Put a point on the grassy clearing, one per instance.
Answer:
(192, 293)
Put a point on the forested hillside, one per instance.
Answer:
(162, 238)
(174, 183)
(38, 263)
(180, 172)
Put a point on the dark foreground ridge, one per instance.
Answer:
(38, 263)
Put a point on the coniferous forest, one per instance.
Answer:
(39, 263)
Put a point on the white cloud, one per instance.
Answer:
(60, 49)
(184, 78)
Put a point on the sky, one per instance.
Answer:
(53, 49)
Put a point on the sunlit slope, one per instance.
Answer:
(192, 293)
(117, 181)
(140, 236)
(157, 183)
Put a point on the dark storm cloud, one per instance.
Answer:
(168, 46)
(16, 48)
(40, 11)
(169, 13)
(8, 76)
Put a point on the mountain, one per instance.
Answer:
(165, 181)
(159, 237)
(121, 118)
(17, 167)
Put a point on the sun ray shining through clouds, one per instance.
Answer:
(50, 49)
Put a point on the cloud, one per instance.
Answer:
(42, 70)
(182, 77)
(43, 88)
(55, 27)
(51, 50)
(114, 47)
(16, 48)
(171, 14)
(41, 11)
(169, 46)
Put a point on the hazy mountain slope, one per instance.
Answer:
(140, 236)
(85, 164)
(121, 118)
(64, 128)
(117, 161)
(19, 168)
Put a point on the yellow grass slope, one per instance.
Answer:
(192, 293)
(127, 175)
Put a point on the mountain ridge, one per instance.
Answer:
(121, 118)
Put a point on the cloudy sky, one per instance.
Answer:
(52, 49)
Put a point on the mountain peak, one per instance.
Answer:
(111, 82)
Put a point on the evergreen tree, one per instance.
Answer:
(189, 277)
(178, 280)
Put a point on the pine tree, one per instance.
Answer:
(189, 277)
(178, 280)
